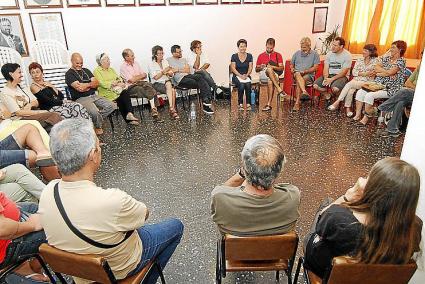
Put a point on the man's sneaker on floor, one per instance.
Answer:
(391, 134)
(207, 103)
(207, 109)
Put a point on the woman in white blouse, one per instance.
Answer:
(160, 75)
(363, 72)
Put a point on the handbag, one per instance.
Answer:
(373, 87)
(275, 63)
(59, 204)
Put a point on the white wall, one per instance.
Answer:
(414, 153)
(111, 29)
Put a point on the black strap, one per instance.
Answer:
(76, 231)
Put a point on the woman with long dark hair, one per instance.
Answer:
(374, 222)
(20, 101)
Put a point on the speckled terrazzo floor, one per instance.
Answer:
(172, 167)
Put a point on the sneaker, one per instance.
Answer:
(392, 134)
(207, 104)
(207, 109)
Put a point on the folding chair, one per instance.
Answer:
(257, 253)
(346, 270)
(90, 267)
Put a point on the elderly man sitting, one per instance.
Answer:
(112, 219)
(248, 203)
(82, 86)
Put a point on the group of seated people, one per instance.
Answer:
(364, 223)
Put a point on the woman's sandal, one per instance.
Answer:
(174, 114)
(267, 108)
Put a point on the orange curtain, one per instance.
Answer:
(382, 21)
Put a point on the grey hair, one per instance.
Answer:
(263, 160)
(306, 40)
(71, 141)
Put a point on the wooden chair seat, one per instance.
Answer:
(314, 279)
(87, 266)
(257, 265)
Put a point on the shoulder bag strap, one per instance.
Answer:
(76, 231)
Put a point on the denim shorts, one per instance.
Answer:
(11, 152)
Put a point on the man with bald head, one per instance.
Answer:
(82, 86)
(251, 202)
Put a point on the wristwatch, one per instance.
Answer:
(240, 173)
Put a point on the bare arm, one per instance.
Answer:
(197, 62)
(205, 66)
(233, 69)
(341, 74)
(250, 68)
(326, 71)
(386, 73)
(235, 180)
(311, 69)
(10, 229)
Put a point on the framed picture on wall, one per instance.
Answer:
(9, 4)
(48, 25)
(12, 33)
(152, 2)
(181, 2)
(274, 1)
(229, 2)
(289, 1)
(206, 2)
(306, 1)
(319, 19)
(83, 3)
(43, 4)
(120, 3)
(252, 1)
(322, 1)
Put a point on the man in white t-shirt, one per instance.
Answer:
(199, 63)
(111, 218)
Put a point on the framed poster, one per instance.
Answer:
(43, 4)
(319, 19)
(252, 1)
(275, 1)
(48, 25)
(181, 2)
(120, 3)
(229, 2)
(9, 4)
(322, 1)
(12, 33)
(83, 3)
(306, 1)
(206, 2)
(289, 1)
(152, 2)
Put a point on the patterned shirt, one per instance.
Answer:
(395, 82)
(361, 67)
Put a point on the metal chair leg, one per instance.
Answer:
(277, 276)
(161, 275)
(111, 122)
(218, 265)
(297, 272)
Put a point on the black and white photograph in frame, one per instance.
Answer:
(48, 25)
(273, 1)
(83, 3)
(12, 33)
(120, 3)
(307, 1)
(151, 2)
(206, 2)
(9, 4)
(322, 1)
(230, 2)
(181, 2)
(319, 19)
(251, 1)
(43, 4)
(289, 1)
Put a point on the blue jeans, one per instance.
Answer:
(242, 87)
(159, 242)
(11, 153)
(26, 245)
(396, 104)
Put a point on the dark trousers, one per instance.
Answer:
(396, 104)
(207, 77)
(124, 103)
(242, 87)
(26, 245)
(197, 81)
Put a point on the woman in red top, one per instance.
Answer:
(20, 235)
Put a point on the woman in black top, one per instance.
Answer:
(51, 99)
(241, 68)
(374, 222)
